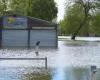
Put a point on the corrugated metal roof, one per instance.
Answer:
(34, 22)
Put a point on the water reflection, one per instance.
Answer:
(81, 74)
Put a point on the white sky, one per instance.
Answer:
(60, 4)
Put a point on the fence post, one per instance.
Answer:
(28, 40)
(46, 63)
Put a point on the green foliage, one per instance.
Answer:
(74, 16)
(3, 6)
(43, 9)
(83, 14)
(96, 24)
(19, 6)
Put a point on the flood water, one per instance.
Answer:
(70, 61)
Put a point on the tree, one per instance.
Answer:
(20, 6)
(74, 16)
(81, 12)
(43, 9)
(3, 6)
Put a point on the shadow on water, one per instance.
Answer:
(72, 43)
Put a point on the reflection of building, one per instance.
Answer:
(22, 31)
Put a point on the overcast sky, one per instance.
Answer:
(60, 4)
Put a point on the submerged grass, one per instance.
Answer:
(38, 75)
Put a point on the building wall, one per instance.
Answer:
(47, 38)
(25, 32)
(19, 38)
(14, 38)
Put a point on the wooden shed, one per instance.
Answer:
(22, 31)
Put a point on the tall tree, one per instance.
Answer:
(43, 9)
(86, 9)
(74, 16)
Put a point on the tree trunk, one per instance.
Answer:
(73, 37)
(81, 25)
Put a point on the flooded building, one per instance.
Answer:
(22, 31)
